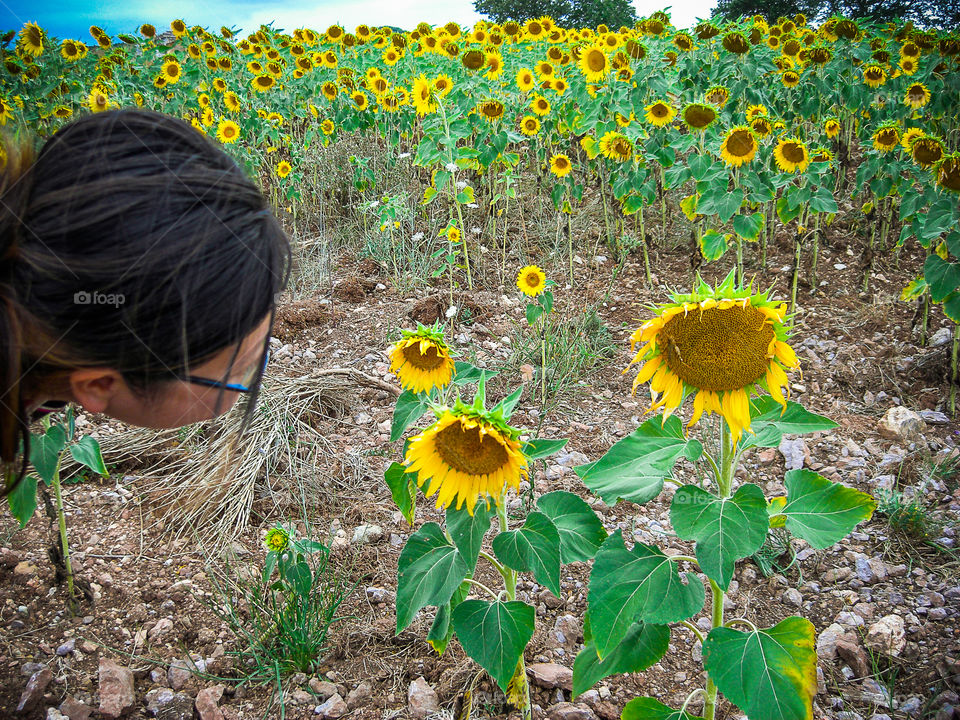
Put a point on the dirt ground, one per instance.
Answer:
(860, 356)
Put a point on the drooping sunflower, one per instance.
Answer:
(698, 116)
(421, 360)
(491, 110)
(874, 76)
(660, 113)
(616, 146)
(327, 127)
(179, 27)
(821, 154)
(831, 127)
(469, 453)
(594, 63)
(946, 173)
(717, 95)
(262, 83)
(722, 343)
(531, 280)
(791, 155)
(887, 137)
(761, 127)
(473, 59)
(560, 165)
(755, 111)
(739, 146)
(736, 43)
(926, 151)
(917, 96)
(790, 79)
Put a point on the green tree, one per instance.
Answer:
(926, 13)
(567, 13)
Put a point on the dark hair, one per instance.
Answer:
(140, 205)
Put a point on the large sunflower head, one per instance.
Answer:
(30, 39)
(761, 127)
(531, 279)
(421, 359)
(469, 453)
(791, 155)
(723, 344)
(491, 110)
(736, 43)
(660, 113)
(739, 146)
(917, 95)
(594, 63)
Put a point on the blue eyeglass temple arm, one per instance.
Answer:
(236, 387)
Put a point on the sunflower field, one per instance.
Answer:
(745, 127)
(743, 137)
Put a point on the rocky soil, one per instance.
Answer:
(885, 604)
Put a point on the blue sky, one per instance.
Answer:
(67, 18)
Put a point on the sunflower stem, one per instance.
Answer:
(815, 253)
(646, 253)
(570, 245)
(452, 184)
(65, 547)
(510, 580)
(796, 274)
(953, 370)
(710, 705)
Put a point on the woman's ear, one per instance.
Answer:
(93, 388)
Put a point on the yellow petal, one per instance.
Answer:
(785, 354)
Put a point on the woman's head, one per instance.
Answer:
(134, 253)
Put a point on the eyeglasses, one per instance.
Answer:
(243, 387)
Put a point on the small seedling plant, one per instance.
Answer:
(47, 451)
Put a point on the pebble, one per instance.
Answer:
(421, 699)
(366, 534)
(333, 708)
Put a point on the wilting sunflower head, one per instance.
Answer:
(917, 96)
(531, 280)
(421, 360)
(791, 155)
(886, 137)
(755, 111)
(874, 76)
(736, 43)
(277, 540)
(723, 344)
(698, 116)
(761, 127)
(821, 154)
(739, 146)
(926, 151)
(910, 135)
(717, 95)
(947, 173)
(469, 453)
(832, 127)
